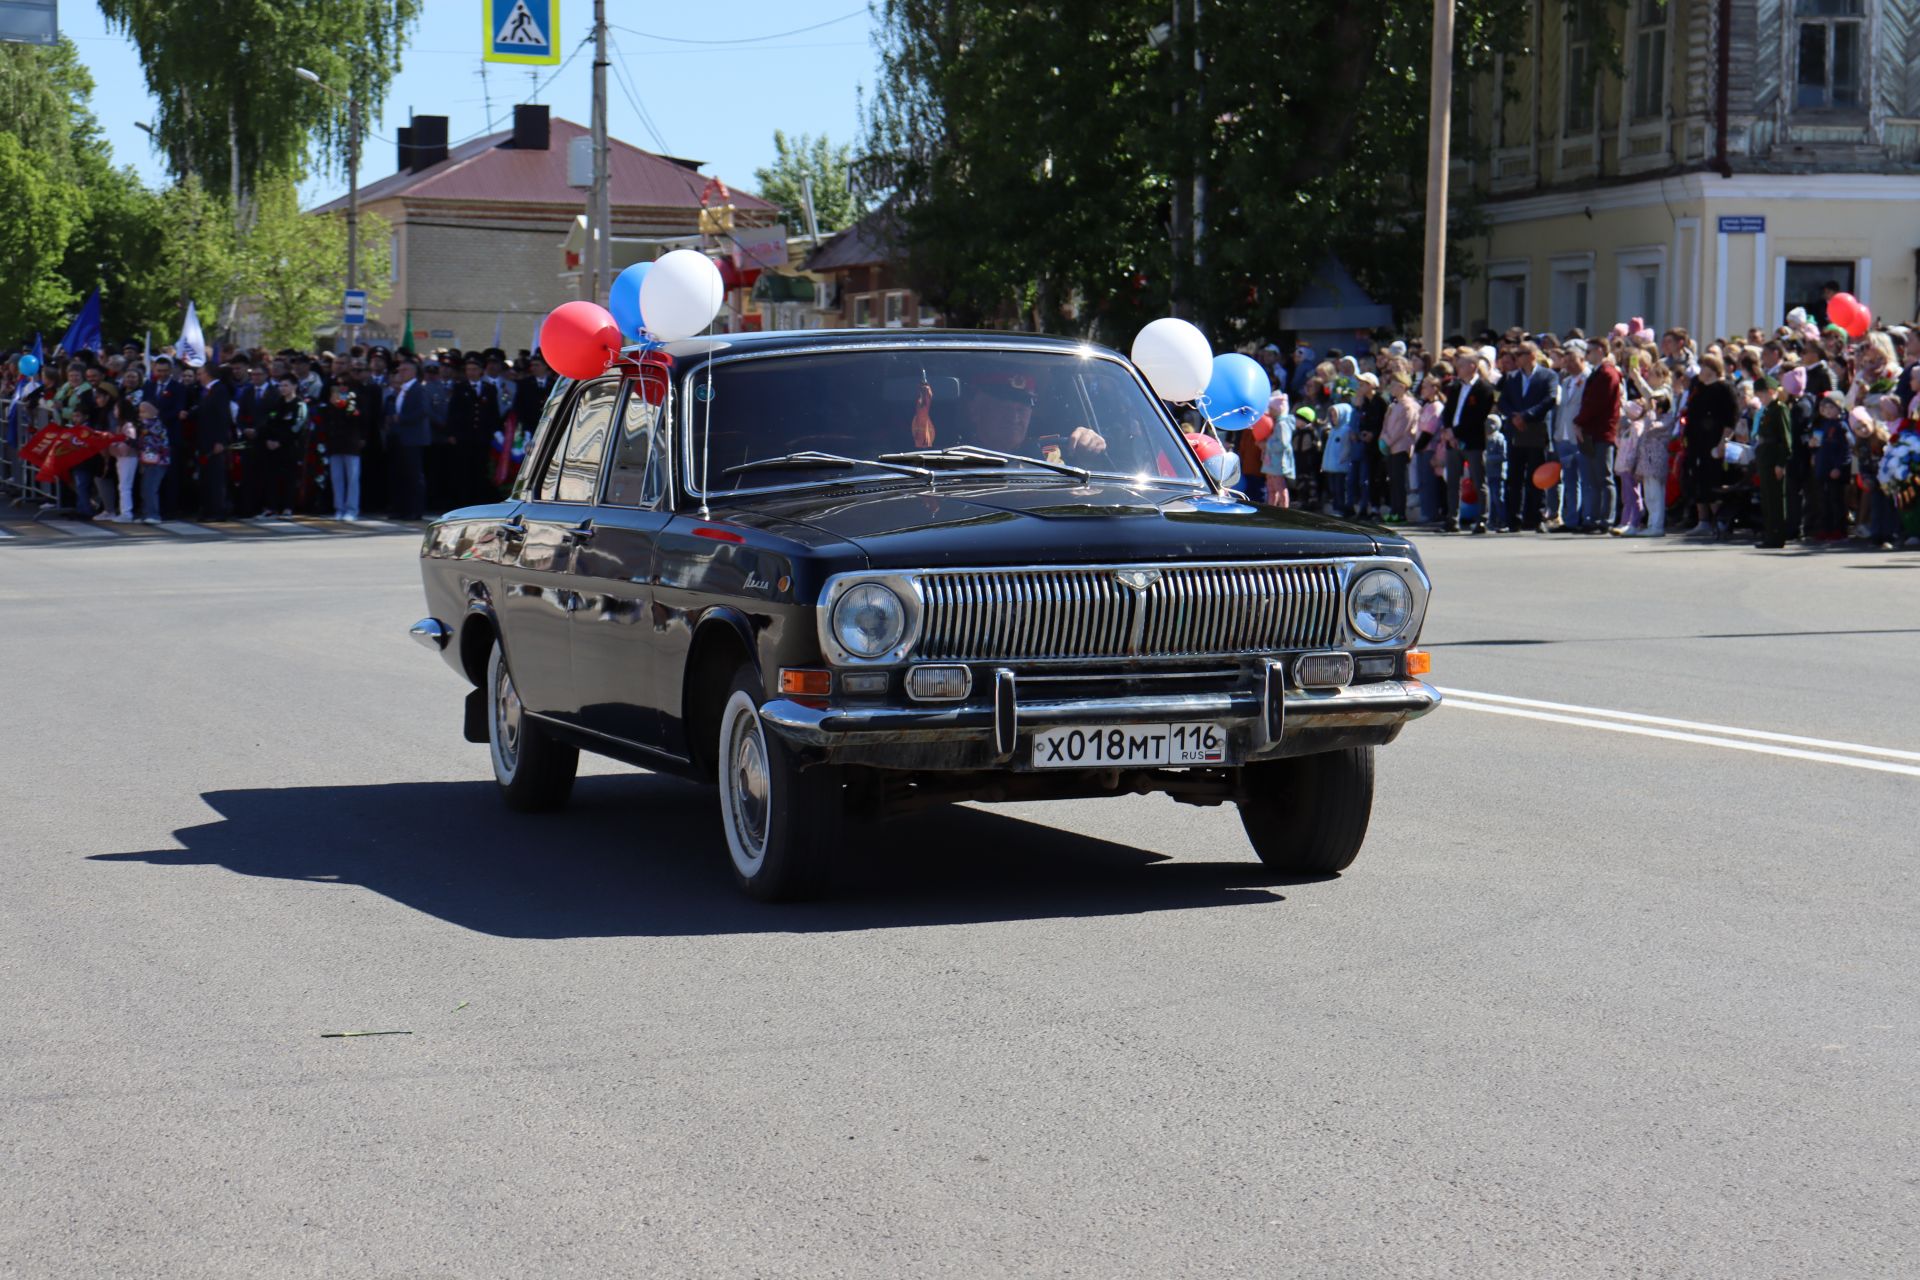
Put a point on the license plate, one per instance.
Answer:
(1103, 745)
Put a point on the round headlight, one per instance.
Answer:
(1380, 605)
(869, 620)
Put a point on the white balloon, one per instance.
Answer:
(680, 295)
(1172, 354)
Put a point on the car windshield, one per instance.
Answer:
(845, 416)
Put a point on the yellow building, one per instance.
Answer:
(1732, 172)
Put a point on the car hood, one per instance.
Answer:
(1027, 523)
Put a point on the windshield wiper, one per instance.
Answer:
(976, 454)
(812, 460)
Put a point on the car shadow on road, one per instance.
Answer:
(639, 854)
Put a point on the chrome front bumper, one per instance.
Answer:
(1262, 723)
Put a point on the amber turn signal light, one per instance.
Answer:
(1419, 662)
(806, 682)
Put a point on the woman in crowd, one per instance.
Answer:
(154, 457)
(345, 438)
(1397, 436)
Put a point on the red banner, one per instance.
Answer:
(56, 450)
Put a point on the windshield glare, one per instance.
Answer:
(1085, 412)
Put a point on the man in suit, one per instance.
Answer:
(407, 437)
(473, 415)
(531, 392)
(174, 398)
(1469, 404)
(1527, 397)
(212, 437)
(255, 400)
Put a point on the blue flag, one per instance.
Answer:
(84, 333)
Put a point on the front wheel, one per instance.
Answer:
(534, 770)
(782, 822)
(1308, 815)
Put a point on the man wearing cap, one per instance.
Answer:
(999, 410)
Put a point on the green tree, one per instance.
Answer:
(293, 264)
(834, 206)
(198, 261)
(39, 213)
(232, 111)
(1037, 157)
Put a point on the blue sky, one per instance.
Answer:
(713, 102)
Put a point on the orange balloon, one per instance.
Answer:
(1263, 428)
(1546, 475)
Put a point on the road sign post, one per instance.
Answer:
(353, 310)
(522, 31)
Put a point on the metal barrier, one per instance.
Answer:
(20, 484)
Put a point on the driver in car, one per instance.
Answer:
(998, 411)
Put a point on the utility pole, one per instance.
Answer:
(353, 204)
(602, 219)
(1439, 134)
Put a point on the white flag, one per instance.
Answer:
(149, 352)
(192, 346)
(496, 331)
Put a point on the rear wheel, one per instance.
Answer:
(782, 822)
(1308, 815)
(534, 770)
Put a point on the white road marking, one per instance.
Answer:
(1701, 739)
(188, 530)
(1666, 722)
(79, 529)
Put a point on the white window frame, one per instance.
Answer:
(1563, 266)
(1643, 32)
(1511, 269)
(893, 309)
(1628, 264)
(863, 310)
(1863, 98)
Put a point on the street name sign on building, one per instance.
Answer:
(1743, 224)
(354, 309)
(523, 31)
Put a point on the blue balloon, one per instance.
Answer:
(29, 365)
(1238, 392)
(623, 300)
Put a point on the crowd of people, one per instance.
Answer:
(1769, 438)
(247, 433)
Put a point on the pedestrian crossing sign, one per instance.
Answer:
(524, 31)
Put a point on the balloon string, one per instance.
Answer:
(706, 438)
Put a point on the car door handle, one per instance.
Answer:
(514, 528)
(582, 532)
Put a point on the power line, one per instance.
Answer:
(632, 96)
(777, 35)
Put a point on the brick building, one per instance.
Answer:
(869, 290)
(481, 229)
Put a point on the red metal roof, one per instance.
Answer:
(490, 168)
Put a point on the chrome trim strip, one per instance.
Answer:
(1006, 714)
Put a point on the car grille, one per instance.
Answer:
(1185, 611)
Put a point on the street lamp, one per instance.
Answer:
(353, 184)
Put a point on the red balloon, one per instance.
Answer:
(1205, 445)
(579, 339)
(1546, 475)
(1850, 314)
(1263, 428)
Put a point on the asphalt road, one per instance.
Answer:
(1594, 1001)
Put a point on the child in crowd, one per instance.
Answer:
(1276, 456)
(153, 460)
(1336, 463)
(1878, 520)
(1626, 466)
(1831, 448)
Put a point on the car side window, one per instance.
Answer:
(574, 469)
(638, 474)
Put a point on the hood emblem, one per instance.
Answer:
(1137, 579)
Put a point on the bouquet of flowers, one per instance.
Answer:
(1900, 469)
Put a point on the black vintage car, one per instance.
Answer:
(854, 573)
